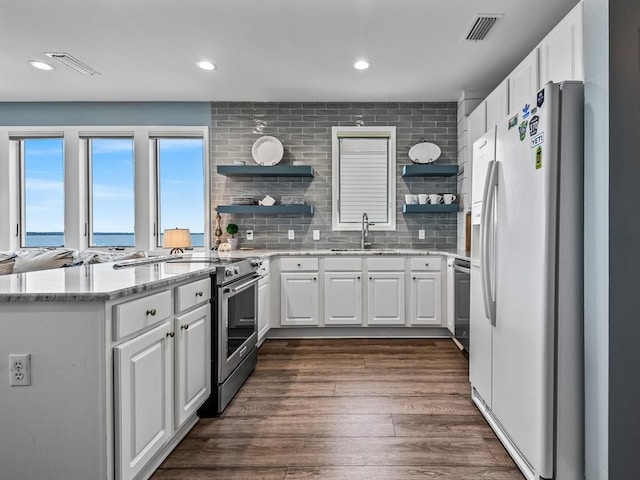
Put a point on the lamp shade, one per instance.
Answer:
(176, 238)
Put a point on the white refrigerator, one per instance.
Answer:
(526, 363)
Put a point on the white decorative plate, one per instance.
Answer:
(424, 152)
(267, 151)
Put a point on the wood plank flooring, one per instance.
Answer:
(347, 410)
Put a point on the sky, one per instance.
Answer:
(181, 185)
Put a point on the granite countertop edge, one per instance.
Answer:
(145, 286)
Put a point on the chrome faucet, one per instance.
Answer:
(364, 241)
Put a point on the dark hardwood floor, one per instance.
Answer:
(347, 409)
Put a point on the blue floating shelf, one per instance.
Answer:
(440, 208)
(262, 171)
(263, 210)
(429, 170)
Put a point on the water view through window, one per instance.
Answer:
(112, 192)
(181, 186)
(43, 192)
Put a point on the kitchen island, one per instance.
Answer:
(117, 368)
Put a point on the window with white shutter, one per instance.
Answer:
(364, 177)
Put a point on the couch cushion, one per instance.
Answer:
(89, 257)
(42, 259)
(7, 259)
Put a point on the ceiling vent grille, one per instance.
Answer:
(480, 27)
(72, 63)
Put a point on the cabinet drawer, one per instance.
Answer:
(343, 264)
(394, 264)
(426, 264)
(298, 264)
(137, 314)
(193, 294)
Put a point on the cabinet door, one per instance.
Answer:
(143, 398)
(477, 123)
(343, 298)
(263, 308)
(385, 298)
(426, 299)
(497, 104)
(524, 82)
(561, 51)
(193, 361)
(299, 298)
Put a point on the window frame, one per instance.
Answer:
(76, 181)
(339, 132)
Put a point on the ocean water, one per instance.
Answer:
(56, 239)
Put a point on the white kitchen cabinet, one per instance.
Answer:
(299, 295)
(561, 51)
(524, 82)
(385, 298)
(143, 394)
(477, 123)
(343, 298)
(192, 361)
(426, 299)
(497, 104)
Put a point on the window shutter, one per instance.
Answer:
(364, 178)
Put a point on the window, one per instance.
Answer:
(84, 187)
(111, 183)
(42, 192)
(363, 177)
(180, 163)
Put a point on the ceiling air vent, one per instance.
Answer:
(72, 62)
(480, 26)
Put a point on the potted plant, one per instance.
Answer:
(232, 229)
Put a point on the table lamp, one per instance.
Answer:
(177, 239)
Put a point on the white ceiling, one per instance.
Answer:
(265, 50)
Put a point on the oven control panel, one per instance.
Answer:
(231, 271)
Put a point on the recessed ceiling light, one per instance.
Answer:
(41, 65)
(205, 65)
(361, 65)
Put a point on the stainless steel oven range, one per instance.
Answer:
(234, 330)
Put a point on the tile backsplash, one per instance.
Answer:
(304, 128)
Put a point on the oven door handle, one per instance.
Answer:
(242, 287)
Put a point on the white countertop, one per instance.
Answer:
(102, 282)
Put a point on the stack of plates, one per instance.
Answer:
(242, 200)
(292, 200)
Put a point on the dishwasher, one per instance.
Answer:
(462, 300)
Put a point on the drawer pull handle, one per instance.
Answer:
(299, 264)
(370, 278)
(426, 264)
(185, 326)
(151, 312)
(171, 334)
(314, 279)
(414, 278)
(358, 277)
(199, 294)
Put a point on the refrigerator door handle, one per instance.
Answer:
(488, 221)
(483, 244)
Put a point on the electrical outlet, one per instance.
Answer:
(291, 235)
(316, 234)
(249, 234)
(420, 234)
(20, 369)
